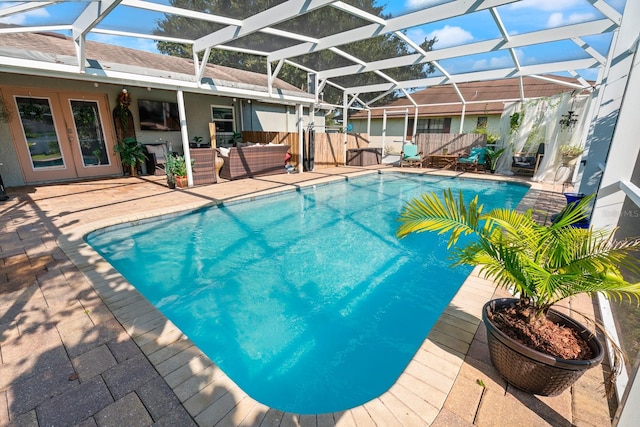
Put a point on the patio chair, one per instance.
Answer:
(477, 158)
(156, 158)
(410, 156)
(527, 162)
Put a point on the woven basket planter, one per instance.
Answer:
(533, 371)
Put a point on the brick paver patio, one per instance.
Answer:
(79, 346)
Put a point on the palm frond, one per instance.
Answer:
(542, 263)
(429, 213)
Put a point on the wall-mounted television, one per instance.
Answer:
(158, 115)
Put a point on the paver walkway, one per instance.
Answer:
(79, 346)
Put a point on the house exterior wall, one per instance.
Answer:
(263, 117)
(10, 169)
(612, 141)
(395, 128)
(255, 116)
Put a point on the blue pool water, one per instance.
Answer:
(306, 300)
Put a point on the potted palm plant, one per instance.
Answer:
(541, 265)
(494, 156)
(131, 154)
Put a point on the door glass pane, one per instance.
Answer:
(40, 133)
(89, 130)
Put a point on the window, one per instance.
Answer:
(434, 126)
(223, 118)
(482, 123)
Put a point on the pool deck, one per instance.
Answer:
(80, 346)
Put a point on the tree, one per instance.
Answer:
(318, 23)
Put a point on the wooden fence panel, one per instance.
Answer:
(454, 143)
(357, 140)
(329, 148)
(329, 151)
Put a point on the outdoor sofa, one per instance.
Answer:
(252, 160)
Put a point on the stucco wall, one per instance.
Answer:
(257, 116)
(395, 126)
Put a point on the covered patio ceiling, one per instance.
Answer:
(577, 47)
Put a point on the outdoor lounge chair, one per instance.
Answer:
(477, 158)
(527, 162)
(156, 158)
(410, 156)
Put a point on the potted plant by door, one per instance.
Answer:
(180, 172)
(541, 265)
(170, 169)
(131, 153)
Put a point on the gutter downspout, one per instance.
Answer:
(300, 139)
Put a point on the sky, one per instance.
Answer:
(519, 17)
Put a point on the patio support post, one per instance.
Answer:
(300, 139)
(384, 128)
(369, 122)
(345, 109)
(185, 136)
(464, 109)
(415, 122)
(406, 125)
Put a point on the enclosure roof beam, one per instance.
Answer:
(186, 13)
(561, 82)
(515, 41)
(585, 84)
(141, 36)
(505, 35)
(274, 15)
(380, 97)
(591, 51)
(412, 19)
(607, 10)
(35, 29)
(361, 62)
(359, 13)
(502, 73)
(23, 7)
(91, 16)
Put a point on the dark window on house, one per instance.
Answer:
(482, 122)
(434, 125)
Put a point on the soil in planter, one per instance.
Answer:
(542, 335)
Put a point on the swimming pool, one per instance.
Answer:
(306, 299)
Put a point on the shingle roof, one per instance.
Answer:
(491, 91)
(56, 48)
